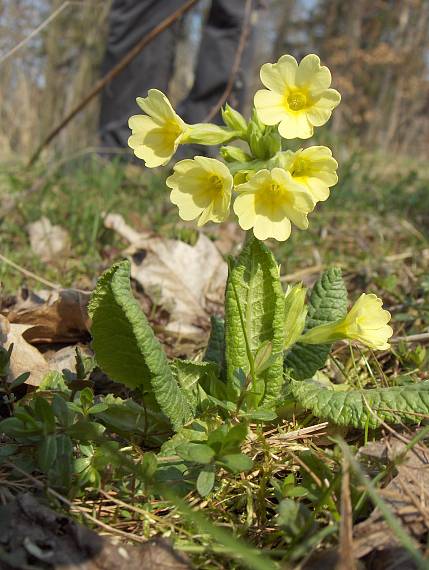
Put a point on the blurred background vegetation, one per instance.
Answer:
(377, 51)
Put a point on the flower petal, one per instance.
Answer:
(269, 106)
(295, 125)
(157, 106)
(323, 106)
(244, 207)
(312, 75)
(265, 227)
(281, 75)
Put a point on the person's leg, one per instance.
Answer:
(219, 44)
(130, 21)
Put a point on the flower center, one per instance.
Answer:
(215, 182)
(299, 168)
(275, 188)
(297, 101)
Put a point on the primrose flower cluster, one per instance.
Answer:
(273, 188)
(267, 186)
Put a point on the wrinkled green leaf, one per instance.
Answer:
(216, 346)
(125, 345)
(361, 408)
(190, 376)
(254, 313)
(327, 304)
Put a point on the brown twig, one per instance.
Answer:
(28, 273)
(39, 28)
(166, 23)
(245, 29)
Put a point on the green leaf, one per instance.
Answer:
(84, 430)
(47, 453)
(54, 381)
(125, 345)
(189, 375)
(196, 452)
(327, 304)
(254, 314)
(216, 346)
(206, 480)
(237, 462)
(361, 408)
(45, 413)
(20, 380)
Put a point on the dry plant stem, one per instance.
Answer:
(422, 337)
(80, 510)
(166, 23)
(347, 559)
(39, 28)
(236, 64)
(28, 273)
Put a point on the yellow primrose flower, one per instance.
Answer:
(269, 201)
(297, 97)
(201, 188)
(366, 322)
(315, 168)
(156, 135)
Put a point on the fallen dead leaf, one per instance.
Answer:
(187, 281)
(65, 358)
(55, 316)
(48, 242)
(25, 357)
(407, 495)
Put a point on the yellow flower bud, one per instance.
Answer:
(234, 154)
(295, 314)
(233, 119)
(366, 322)
(209, 134)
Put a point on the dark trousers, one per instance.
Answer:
(130, 20)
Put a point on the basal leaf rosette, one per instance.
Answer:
(366, 323)
(201, 188)
(269, 201)
(298, 97)
(315, 168)
(156, 135)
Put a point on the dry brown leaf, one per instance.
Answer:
(187, 281)
(25, 357)
(55, 316)
(407, 495)
(48, 242)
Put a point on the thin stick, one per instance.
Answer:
(28, 273)
(411, 338)
(245, 29)
(166, 23)
(297, 275)
(39, 28)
